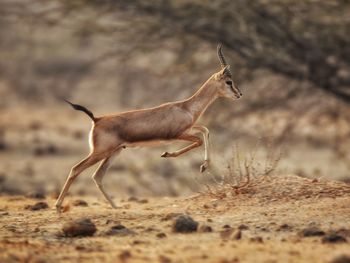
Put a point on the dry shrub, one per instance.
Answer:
(244, 170)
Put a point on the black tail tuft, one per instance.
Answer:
(82, 108)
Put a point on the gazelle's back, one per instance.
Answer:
(165, 122)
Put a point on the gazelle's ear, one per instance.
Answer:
(226, 70)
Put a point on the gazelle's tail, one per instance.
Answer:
(82, 108)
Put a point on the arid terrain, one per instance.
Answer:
(278, 185)
(275, 219)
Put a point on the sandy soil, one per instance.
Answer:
(270, 215)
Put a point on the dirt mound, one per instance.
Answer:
(283, 188)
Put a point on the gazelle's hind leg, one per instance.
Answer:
(99, 174)
(75, 171)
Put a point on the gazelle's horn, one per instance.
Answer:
(223, 60)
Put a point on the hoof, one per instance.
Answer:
(165, 154)
(58, 209)
(113, 206)
(204, 166)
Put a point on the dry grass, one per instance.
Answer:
(244, 170)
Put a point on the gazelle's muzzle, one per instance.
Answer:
(237, 92)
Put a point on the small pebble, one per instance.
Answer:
(37, 206)
(226, 233)
(4, 213)
(133, 199)
(164, 259)
(124, 255)
(81, 227)
(333, 238)
(284, 227)
(170, 216)
(237, 235)
(161, 235)
(257, 239)
(243, 227)
(120, 230)
(36, 195)
(341, 259)
(205, 229)
(311, 232)
(184, 224)
(80, 202)
(142, 201)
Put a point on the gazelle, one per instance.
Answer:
(148, 127)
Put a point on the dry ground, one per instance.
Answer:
(271, 213)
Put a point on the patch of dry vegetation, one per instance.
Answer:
(249, 177)
(244, 171)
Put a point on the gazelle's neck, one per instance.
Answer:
(200, 101)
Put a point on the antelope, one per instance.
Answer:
(172, 121)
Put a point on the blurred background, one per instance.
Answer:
(291, 60)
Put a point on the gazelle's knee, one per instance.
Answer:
(73, 174)
(199, 142)
(97, 179)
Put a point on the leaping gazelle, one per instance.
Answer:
(148, 127)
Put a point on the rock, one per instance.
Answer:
(81, 227)
(3, 146)
(4, 213)
(161, 235)
(36, 195)
(124, 255)
(49, 149)
(170, 216)
(226, 233)
(243, 227)
(37, 206)
(333, 238)
(120, 230)
(137, 200)
(133, 199)
(206, 206)
(257, 239)
(237, 235)
(140, 242)
(311, 232)
(341, 259)
(226, 226)
(80, 202)
(142, 201)
(205, 229)
(184, 224)
(151, 229)
(164, 259)
(80, 248)
(343, 231)
(285, 227)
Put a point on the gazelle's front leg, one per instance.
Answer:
(205, 132)
(197, 142)
(186, 137)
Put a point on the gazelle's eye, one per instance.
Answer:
(229, 82)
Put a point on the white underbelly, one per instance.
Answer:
(148, 143)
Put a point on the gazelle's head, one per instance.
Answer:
(223, 79)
